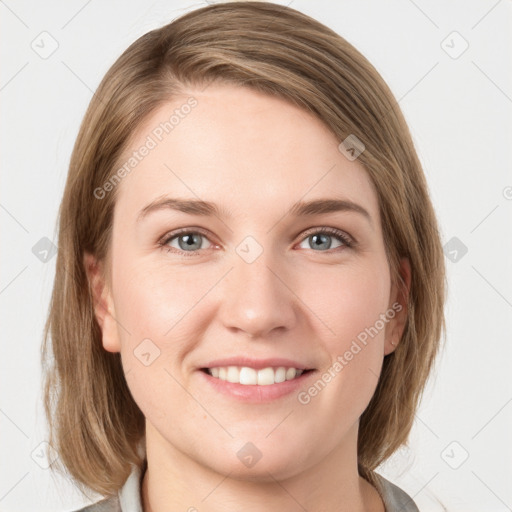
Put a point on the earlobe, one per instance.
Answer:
(102, 301)
(399, 303)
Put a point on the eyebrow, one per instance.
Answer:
(206, 208)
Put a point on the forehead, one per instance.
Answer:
(237, 147)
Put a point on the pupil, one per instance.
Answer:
(190, 241)
(324, 241)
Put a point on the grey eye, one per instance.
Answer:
(187, 241)
(321, 241)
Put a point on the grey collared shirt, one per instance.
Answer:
(128, 498)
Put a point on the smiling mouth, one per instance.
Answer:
(251, 377)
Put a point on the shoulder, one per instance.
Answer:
(128, 498)
(395, 499)
(106, 505)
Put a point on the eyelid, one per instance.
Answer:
(174, 233)
(170, 235)
(348, 240)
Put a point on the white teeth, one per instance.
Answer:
(265, 376)
(280, 375)
(233, 374)
(251, 377)
(290, 373)
(248, 376)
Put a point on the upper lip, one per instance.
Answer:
(257, 364)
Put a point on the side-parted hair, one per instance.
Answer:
(95, 424)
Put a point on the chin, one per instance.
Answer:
(263, 462)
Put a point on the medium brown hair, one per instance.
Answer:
(95, 425)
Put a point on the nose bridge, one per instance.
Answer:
(255, 298)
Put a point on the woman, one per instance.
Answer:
(250, 281)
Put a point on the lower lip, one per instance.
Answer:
(255, 393)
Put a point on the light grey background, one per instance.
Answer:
(459, 110)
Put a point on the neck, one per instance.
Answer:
(174, 481)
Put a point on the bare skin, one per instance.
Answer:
(254, 156)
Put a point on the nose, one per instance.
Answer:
(257, 298)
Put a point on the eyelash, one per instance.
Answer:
(342, 237)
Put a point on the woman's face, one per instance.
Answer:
(253, 285)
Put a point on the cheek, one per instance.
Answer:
(349, 301)
(155, 300)
(351, 305)
(164, 305)
(156, 308)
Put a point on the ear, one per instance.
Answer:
(103, 303)
(399, 304)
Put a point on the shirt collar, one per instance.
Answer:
(130, 495)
